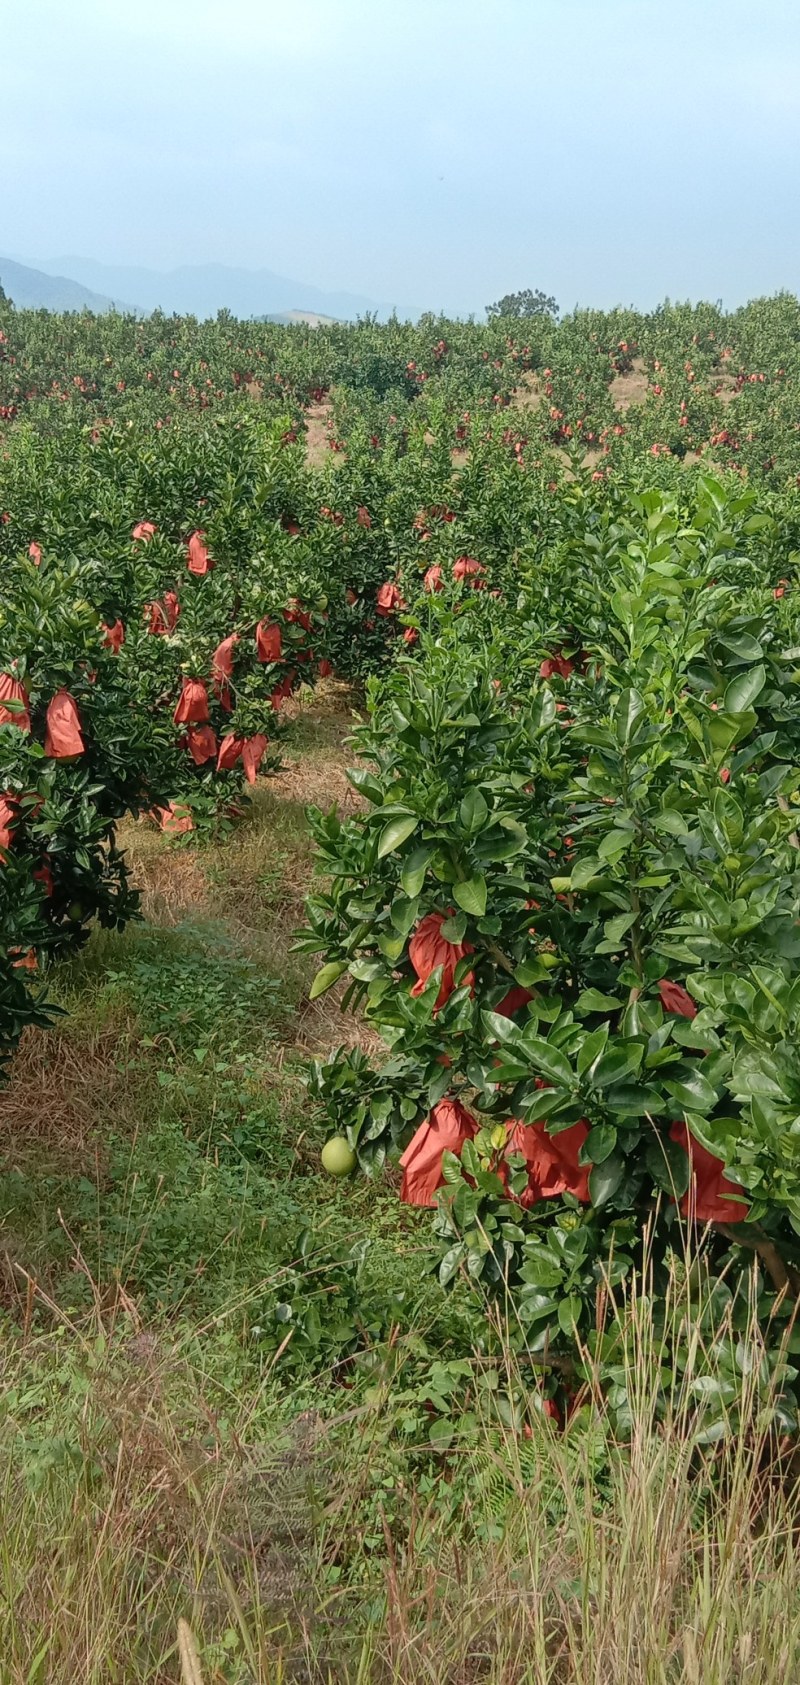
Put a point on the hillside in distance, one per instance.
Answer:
(33, 289)
(202, 290)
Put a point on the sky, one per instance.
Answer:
(435, 152)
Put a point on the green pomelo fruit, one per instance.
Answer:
(337, 1157)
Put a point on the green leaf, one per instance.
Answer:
(471, 895)
(743, 690)
(396, 833)
(454, 930)
(544, 1102)
(450, 1263)
(669, 1166)
(599, 1144)
(530, 972)
(629, 708)
(474, 811)
(441, 1435)
(591, 1048)
(391, 947)
(569, 1311)
(326, 977)
(620, 1061)
(605, 1178)
(366, 783)
(694, 1092)
(614, 843)
(499, 1028)
(543, 711)
(591, 1000)
(614, 929)
(676, 824)
(403, 913)
(415, 867)
(744, 647)
(585, 871)
(629, 1100)
(548, 1060)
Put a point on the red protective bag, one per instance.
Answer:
(199, 562)
(12, 691)
(282, 691)
(63, 737)
(552, 1160)
(675, 999)
(114, 636)
(201, 742)
(253, 751)
(44, 876)
(389, 599)
(192, 707)
(268, 642)
(444, 1131)
(174, 819)
(230, 749)
(467, 568)
(144, 530)
(294, 615)
(222, 670)
(429, 948)
(708, 1196)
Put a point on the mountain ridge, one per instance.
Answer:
(204, 289)
(35, 289)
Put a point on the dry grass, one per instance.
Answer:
(163, 1517)
(571, 1559)
(631, 388)
(528, 395)
(271, 850)
(65, 1088)
(724, 387)
(317, 418)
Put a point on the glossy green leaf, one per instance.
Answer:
(396, 832)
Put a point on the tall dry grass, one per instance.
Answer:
(137, 1494)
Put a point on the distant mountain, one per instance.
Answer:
(312, 318)
(32, 289)
(204, 289)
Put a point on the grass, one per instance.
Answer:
(139, 1490)
(234, 1398)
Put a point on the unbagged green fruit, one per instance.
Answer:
(337, 1157)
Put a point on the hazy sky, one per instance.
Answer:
(432, 152)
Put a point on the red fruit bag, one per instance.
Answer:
(268, 642)
(63, 738)
(230, 749)
(222, 670)
(201, 742)
(114, 636)
(192, 708)
(253, 753)
(199, 561)
(12, 691)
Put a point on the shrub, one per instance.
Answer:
(592, 889)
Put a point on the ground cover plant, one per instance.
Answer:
(511, 608)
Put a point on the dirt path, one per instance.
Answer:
(528, 395)
(317, 418)
(631, 388)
